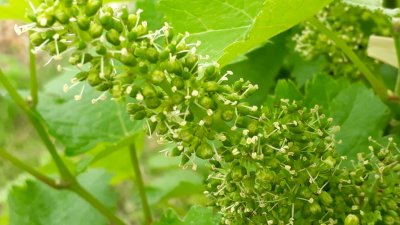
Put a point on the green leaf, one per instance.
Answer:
(81, 125)
(151, 14)
(354, 107)
(305, 70)
(175, 183)
(197, 215)
(230, 28)
(286, 89)
(261, 67)
(15, 9)
(37, 204)
(360, 114)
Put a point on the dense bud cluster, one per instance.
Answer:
(353, 24)
(287, 170)
(270, 165)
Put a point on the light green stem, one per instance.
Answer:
(396, 37)
(37, 124)
(375, 83)
(33, 78)
(67, 178)
(140, 183)
(21, 165)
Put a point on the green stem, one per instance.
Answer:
(74, 187)
(21, 165)
(67, 177)
(37, 124)
(140, 184)
(376, 84)
(83, 193)
(396, 37)
(33, 78)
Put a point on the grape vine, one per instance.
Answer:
(272, 164)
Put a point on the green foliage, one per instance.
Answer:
(196, 215)
(79, 127)
(297, 152)
(37, 204)
(241, 25)
(347, 103)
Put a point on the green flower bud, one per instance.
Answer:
(36, 39)
(128, 59)
(143, 68)
(173, 67)
(191, 61)
(315, 208)
(112, 36)
(81, 45)
(139, 115)
(149, 92)
(95, 30)
(81, 76)
(53, 48)
(325, 198)
(185, 159)
(132, 36)
(152, 102)
(210, 72)
(157, 77)
(118, 26)
(178, 83)
(45, 20)
(186, 135)
(210, 86)
(100, 49)
(132, 19)
(186, 75)
(93, 7)
(141, 30)
(175, 152)
(177, 98)
(204, 151)
(62, 16)
(351, 219)
(152, 55)
(238, 172)
(93, 78)
(83, 22)
(207, 103)
(227, 115)
(132, 108)
(104, 86)
(106, 20)
(164, 55)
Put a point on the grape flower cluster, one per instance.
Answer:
(269, 164)
(353, 24)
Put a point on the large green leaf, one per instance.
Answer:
(230, 28)
(360, 114)
(197, 215)
(81, 125)
(38, 204)
(175, 183)
(354, 107)
(15, 9)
